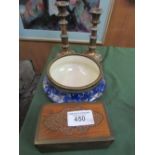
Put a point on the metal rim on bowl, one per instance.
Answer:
(68, 88)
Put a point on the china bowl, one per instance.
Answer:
(74, 78)
(74, 72)
(61, 96)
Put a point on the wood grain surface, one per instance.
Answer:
(99, 132)
(121, 30)
(100, 129)
(35, 51)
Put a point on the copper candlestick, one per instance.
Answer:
(95, 12)
(63, 13)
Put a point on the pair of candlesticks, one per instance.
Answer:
(63, 13)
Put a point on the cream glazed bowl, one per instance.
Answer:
(74, 78)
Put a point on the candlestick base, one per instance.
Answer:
(95, 55)
(62, 53)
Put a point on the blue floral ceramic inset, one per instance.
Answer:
(60, 96)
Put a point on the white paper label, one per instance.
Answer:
(80, 118)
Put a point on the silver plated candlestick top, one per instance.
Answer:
(95, 12)
(63, 13)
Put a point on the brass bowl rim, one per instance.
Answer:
(68, 88)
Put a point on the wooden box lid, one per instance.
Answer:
(54, 134)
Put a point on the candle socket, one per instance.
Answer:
(61, 5)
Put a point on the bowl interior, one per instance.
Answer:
(74, 71)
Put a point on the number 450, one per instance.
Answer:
(80, 118)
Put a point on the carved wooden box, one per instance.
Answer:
(54, 133)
